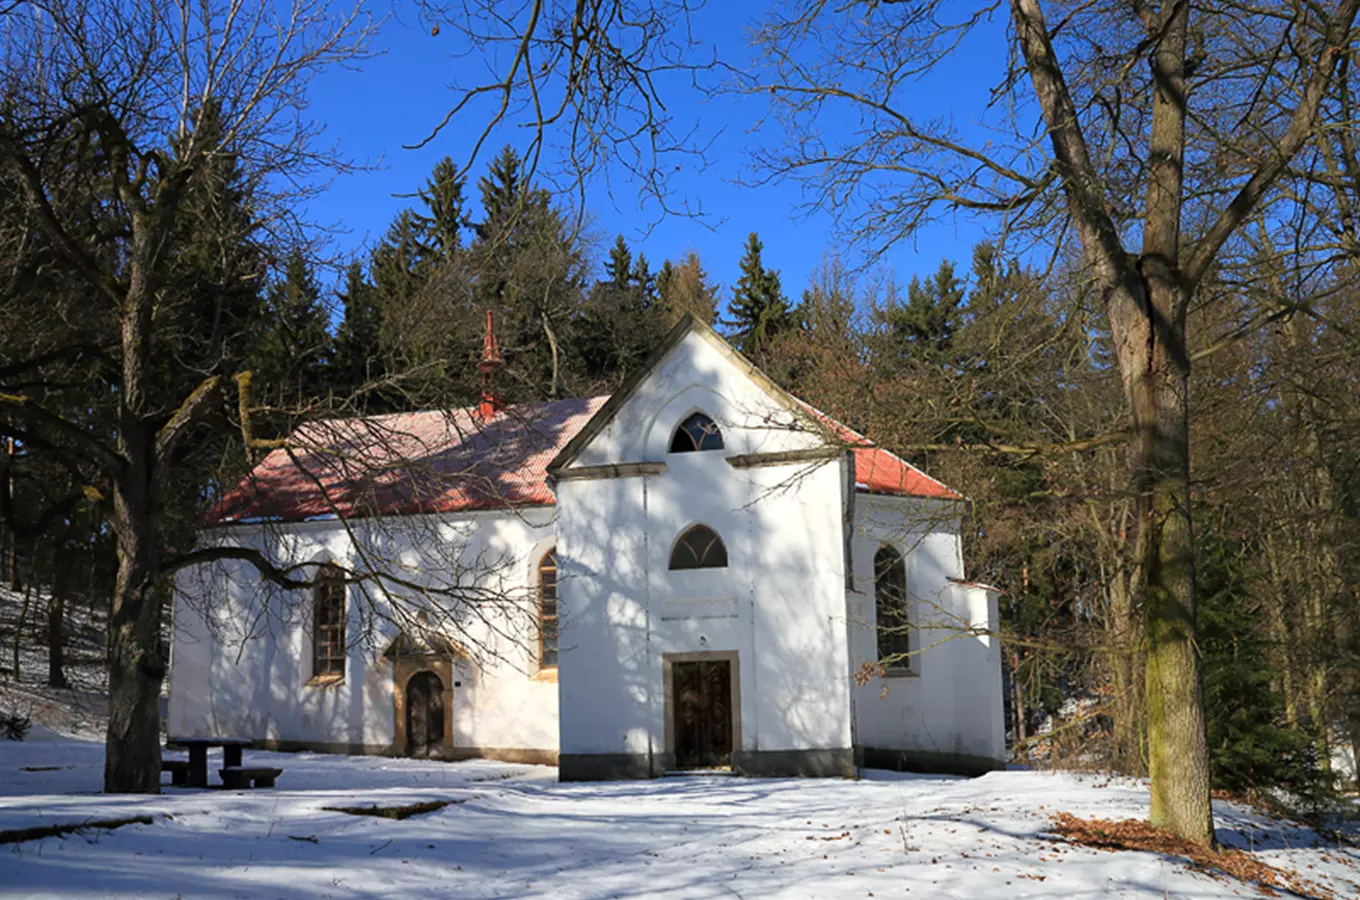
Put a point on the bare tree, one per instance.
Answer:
(131, 86)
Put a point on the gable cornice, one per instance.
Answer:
(688, 323)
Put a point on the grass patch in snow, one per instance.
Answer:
(394, 812)
(17, 835)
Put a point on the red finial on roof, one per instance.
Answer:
(491, 348)
(491, 361)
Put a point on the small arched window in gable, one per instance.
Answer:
(547, 610)
(890, 607)
(328, 624)
(699, 548)
(697, 432)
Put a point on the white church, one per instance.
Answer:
(700, 572)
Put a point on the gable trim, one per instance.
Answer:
(784, 457)
(606, 413)
(611, 470)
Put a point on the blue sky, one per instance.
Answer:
(395, 98)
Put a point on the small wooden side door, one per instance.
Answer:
(424, 715)
(702, 693)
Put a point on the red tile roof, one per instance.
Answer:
(881, 472)
(452, 461)
(424, 462)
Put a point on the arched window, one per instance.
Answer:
(697, 432)
(699, 548)
(547, 609)
(328, 624)
(890, 605)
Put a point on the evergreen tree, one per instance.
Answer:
(527, 265)
(212, 306)
(620, 322)
(1251, 749)
(398, 265)
(294, 352)
(502, 194)
(358, 356)
(685, 289)
(923, 327)
(441, 225)
(429, 320)
(619, 269)
(760, 312)
(644, 282)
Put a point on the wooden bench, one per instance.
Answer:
(178, 769)
(240, 777)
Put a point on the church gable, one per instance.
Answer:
(697, 394)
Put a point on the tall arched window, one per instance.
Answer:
(699, 548)
(547, 609)
(890, 605)
(328, 624)
(697, 432)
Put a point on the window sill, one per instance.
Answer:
(546, 674)
(901, 673)
(325, 680)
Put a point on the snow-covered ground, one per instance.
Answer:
(512, 831)
(79, 710)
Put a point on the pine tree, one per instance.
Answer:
(760, 311)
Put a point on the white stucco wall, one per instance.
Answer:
(779, 603)
(950, 702)
(241, 658)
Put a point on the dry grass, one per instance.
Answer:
(1135, 834)
(394, 812)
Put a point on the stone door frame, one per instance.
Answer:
(404, 668)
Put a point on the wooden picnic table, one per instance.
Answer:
(198, 755)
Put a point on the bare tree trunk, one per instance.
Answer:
(1159, 389)
(1126, 671)
(56, 627)
(1280, 637)
(1146, 307)
(11, 538)
(23, 615)
(1178, 760)
(132, 757)
(552, 345)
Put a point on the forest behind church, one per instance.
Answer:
(992, 371)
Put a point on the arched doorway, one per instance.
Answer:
(424, 715)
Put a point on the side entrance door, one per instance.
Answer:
(703, 713)
(424, 715)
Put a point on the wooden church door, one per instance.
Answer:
(424, 715)
(703, 713)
